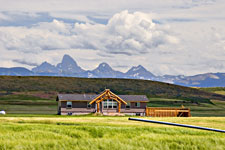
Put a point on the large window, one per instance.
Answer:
(138, 104)
(68, 105)
(109, 103)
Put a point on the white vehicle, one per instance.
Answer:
(2, 112)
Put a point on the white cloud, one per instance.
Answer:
(55, 27)
(125, 33)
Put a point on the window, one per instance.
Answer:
(104, 104)
(114, 104)
(68, 105)
(128, 105)
(109, 103)
(137, 104)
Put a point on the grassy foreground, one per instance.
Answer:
(91, 132)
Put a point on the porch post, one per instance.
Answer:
(98, 107)
(119, 107)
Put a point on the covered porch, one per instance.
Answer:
(108, 102)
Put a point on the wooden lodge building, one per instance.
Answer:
(109, 103)
(106, 103)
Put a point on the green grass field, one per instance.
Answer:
(33, 103)
(91, 132)
(27, 103)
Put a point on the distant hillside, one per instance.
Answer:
(218, 90)
(119, 86)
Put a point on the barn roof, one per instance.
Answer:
(90, 97)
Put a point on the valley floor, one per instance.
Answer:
(32, 103)
(100, 132)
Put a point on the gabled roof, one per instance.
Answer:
(107, 94)
(90, 97)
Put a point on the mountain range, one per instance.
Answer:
(68, 67)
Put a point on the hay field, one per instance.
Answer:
(99, 132)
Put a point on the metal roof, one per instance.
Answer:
(89, 97)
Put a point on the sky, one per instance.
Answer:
(174, 37)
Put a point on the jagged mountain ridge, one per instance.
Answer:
(104, 70)
(139, 72)
(203, 80)
(46, 67)
(69, 67)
